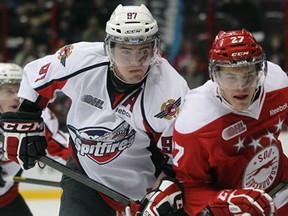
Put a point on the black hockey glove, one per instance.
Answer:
(165, 200)
(24, 137)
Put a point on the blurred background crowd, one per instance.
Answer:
(33, 28)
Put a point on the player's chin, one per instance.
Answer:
(241, 106)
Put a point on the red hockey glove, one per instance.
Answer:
(24, 137)
(253, 201)
(166, 199)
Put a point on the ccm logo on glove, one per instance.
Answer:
(24, 137)
(31, 126)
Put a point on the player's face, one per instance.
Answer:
(237, 85)
(132, 61)
(8, 97)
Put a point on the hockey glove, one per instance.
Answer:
(166, 199)
(237, 202)
(133, 209)
(24, 137)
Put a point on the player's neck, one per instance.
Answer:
(122, 87)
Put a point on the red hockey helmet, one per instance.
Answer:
(236, 48)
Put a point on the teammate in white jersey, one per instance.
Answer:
(227, 153)
(124, 101)
(11, 201)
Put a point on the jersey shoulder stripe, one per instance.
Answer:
(63, 79)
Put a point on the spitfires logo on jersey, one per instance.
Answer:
(64, 53)
(169, 109)
(100, 144)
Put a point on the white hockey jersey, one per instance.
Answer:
(114, 139)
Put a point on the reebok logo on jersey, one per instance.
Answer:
(94, 101)
(234, 130)
(64, 53)
(101, 144)
(123, 112)
(169, 109)
(278, 109)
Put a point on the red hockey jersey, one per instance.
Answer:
(219, 148)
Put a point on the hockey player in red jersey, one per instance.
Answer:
(11, 201)
(227, 153)
(124, 102)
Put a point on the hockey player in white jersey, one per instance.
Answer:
(124, 101)
(11, 201)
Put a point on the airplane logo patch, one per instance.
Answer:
(169, 109)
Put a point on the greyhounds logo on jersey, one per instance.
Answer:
(169, 109)
(262, 169)
(65, 52)
(101, 144)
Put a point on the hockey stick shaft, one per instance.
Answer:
(278, 188)
(86, 180)
(35, 181)
(82, 179)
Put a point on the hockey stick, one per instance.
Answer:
(83, 179)
(86, 180)
(278, 188)
(35, 181)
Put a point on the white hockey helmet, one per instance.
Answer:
(10, 73)
(132, 25)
